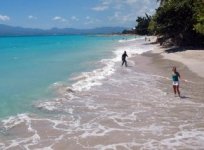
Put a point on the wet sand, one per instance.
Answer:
(192, 58)
(134, 108)
(159, 65)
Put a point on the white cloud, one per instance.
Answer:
(104, 5)
(58, 18)
(4, 18)
(88, 17)
(32, 17)
(107, 2)
(100, 8)
(127, 5)
(130, 2)
(90, 20)
(125, 12)
(118, 6)
(74, 18)
(119, 17)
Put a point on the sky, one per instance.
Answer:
(46, 14)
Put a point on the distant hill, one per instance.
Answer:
(6, 30)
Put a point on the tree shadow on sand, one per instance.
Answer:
(181, 49)
(150, 43)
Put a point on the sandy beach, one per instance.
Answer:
(134, 108)
(193, 59)
(102, 75)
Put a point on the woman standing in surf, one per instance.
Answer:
(175, 77)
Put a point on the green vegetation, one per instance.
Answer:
(142, 25)
(199, 16)
(178, 21)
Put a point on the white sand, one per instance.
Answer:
(193, 59)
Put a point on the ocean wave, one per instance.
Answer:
(14, 121)
(60, 88)
(86, 80)
(101, 118)
(129, 113)
(124, 40)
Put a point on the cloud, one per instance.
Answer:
(58, 18)
(90, 20)
(125, 5)
(74, 18)
(32, 17)
(125, 12)
(130, 2)
(120, 17)
(104, 5)
(4, 18)
(100, 8)
(107, 2)
(88, 17)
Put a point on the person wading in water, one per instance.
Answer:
(175, 77)
(124, 58)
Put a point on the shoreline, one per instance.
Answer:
(189, 64)
(193, 59)
(134, 103)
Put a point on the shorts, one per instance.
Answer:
(176, 83)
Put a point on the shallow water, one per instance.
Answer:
(121, 108)
(30, 65)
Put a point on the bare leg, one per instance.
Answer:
(126, 63)
(178, 91)
(174, 89)
(123, 63)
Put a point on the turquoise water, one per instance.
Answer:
(29, 65)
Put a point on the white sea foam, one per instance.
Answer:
(89, 79)
(93, 78)
(186, 139)
(134, 115)
(86, 80)
(131, 40)
(13, 121)
(18, 120)
(126, 40)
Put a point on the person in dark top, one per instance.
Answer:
(175, 77)
(124, 58)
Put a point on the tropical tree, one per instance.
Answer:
(179, 20)
(142, 25)
(199, 15)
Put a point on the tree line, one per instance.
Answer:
(178, 21)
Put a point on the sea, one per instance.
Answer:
(31, 66)
(71, 93)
